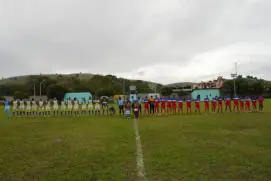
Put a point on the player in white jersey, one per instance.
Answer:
(69, 102)
(33, 108)
(22, 108)
(15, 108)
(55, 103)
(83, 107)
(63, 108)
(105, 107)
(90, 106)
(48, 107)
(97, 107)
(75, 107)
(41, 107)
(28, 107)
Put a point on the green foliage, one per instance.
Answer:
(56, 91)
(244, 86)
(166, 91)
(20, 95)
(57, 85)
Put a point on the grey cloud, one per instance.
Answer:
(118, 36)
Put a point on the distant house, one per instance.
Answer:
(218, 83)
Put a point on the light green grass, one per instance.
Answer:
(198, 147)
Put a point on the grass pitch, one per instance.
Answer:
(233, 146)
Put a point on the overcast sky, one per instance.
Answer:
(159, 40)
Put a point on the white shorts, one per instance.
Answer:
(97, 108)
(69, 107)
(55, 107)
(127, 112)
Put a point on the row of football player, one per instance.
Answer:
(66, 112)
(53, 103)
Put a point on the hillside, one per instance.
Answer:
(23, 79)
(54, 83)
(180, 84)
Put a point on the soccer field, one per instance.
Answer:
(232, 146)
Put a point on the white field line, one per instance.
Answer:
(139, 155)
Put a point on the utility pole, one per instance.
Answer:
(234, 75)
(41, 85)
(124, 87)
(34, 92)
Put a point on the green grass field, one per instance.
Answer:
(233, 146)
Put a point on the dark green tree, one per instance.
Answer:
(56, 91)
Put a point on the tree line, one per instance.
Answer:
(57, 86)
(244, 86)
(98, 85)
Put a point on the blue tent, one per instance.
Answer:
(80, 96)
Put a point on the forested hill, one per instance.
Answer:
(56, 83)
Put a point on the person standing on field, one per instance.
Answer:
(261, 100)
(151, 102)
(120, 103)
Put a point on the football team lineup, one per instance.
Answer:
(151, 106)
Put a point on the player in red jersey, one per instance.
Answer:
(236, 104)
(163, 106)
(261, 100)
(169, 107)
(174, 106)
(157, 106)
(247, 104)
(254, 104)
(197, 106)
(180, 105)
(188, 106)
(220, 105)
(146, 106)
(242, 104)
(206, 104)
(214, 102)
(227, 104)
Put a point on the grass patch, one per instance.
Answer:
(233, 146)
(67, 149)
